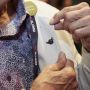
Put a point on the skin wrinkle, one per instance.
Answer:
(76, 22)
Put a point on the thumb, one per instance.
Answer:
(70, 63)
(61, 60)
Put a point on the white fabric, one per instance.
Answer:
(48, 54)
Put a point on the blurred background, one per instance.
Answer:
(64, 3)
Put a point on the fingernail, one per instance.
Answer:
(61, 60)
(51, 21)
(62, 55)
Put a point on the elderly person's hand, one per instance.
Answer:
(60, 76)
(76, 20)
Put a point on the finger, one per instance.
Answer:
(49, 86)
(72, 86)
(88, 39)
(83, 32)
(86, 43)
(75, 86)
(70, 63)
(68, 85)
(77, 14)
(59, 26)
(63, 76)
(74, 16)
(79, 24)
(76, 39)
(60, 15)
(61, 61)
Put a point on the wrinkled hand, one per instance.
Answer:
(60, 76)
(76, 20)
